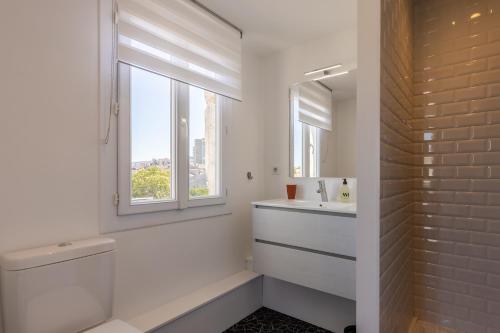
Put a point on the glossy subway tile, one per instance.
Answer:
(455, 156)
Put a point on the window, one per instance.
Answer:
(306, 146)
(151, 141)
(298, 148)
(203, 144)
(169, 72)
(169, 145)
(311, 144)
(311, 118)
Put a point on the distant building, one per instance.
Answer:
(163, 163)
(199, 151)
(197, 178)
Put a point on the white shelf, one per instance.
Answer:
(169, 312)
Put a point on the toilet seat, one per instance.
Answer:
(114, 326)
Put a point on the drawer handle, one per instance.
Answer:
(304, 249)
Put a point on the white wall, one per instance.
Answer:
(48, 122)
(49, 143)
(338, 147)
(368, 171)
(281, 70)
(328, 156)
(345, 145)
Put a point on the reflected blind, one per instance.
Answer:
(178, 39)
(315, 105)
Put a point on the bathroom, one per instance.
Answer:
(413, 126)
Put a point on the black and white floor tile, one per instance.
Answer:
(266, 320)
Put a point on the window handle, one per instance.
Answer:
(185, 123)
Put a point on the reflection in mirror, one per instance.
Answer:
(322, 125)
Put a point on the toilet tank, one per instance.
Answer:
(63, 288)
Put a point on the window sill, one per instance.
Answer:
(144, 220)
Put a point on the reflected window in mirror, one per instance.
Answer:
(307, 150)
(312, 113)
(323, 126)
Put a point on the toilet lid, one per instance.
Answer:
(114, 326)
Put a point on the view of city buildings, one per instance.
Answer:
(153, 179)
(162, 163)
(199, 151)
(197, 170)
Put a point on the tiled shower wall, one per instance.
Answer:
(397, 171)
(456, 122)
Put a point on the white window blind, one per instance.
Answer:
(315, 105)
(178, 39)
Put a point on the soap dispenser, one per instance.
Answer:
(344, 192)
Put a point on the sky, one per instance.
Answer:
(151, 118)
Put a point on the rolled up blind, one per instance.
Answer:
(315, 105)
(178, 39)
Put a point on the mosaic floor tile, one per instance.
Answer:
(266, 320)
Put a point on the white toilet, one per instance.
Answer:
(64, 288)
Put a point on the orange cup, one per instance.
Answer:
(291, 191)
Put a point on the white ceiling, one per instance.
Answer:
(343, 87)
(272, 25)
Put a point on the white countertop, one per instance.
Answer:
(330, 206)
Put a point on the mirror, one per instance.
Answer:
(323, 124)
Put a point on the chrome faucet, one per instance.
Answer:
(322, 191)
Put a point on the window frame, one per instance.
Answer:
(311, 165)
(221, 197)
(305, 130)
(179, 151)
(125, 206)
(109, 219)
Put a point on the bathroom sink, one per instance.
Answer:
(330, 206)
(307, 243)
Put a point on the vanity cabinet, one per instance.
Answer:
(316, 249)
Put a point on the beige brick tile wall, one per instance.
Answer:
(456, 132)
(397, 167)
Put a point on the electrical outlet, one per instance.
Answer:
(276, 171)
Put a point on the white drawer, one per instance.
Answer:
(322, 232)
(330, 274)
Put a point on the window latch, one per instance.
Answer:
(116, 199)
(116, 108)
